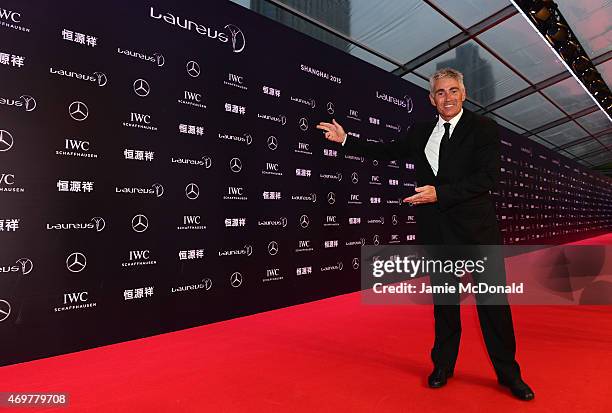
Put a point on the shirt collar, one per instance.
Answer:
(453, 121)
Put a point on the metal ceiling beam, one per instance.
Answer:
(563, 120)
(587, 139)
(602, 58)
(547, 82)
(457, 40)
(526, 92)
(509, 66)
(594, 153)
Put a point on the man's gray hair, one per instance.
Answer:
(446, 72)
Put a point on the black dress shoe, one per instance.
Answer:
(438, 377)
(519, 389)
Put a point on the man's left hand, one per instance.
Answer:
(425, 195)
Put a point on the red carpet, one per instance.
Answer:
(334, 355)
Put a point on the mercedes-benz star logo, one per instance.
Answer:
(331, 198)
(6, 141)
(30, 102)
(330, 108)
(273, 248)
(140, 223)
(235, 165)
(78, 111)
(303, 124)
(193, 68)
(272, 143)
(394, 219)
(192, 191)
(236, 279)
(5, 310)
(376, 240)
(76, 262)
(304, 221)
(207, 283)
(238, 39)
(26, 265)
(354, 177)
(100, 223)
(355, 263)
(141, 87)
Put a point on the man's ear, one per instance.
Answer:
(431, 100)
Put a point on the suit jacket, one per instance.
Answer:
(464, 212)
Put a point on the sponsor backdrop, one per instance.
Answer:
(160, 169)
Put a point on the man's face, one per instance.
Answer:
(447, 97)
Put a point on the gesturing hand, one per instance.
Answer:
(425, 195)
(333, 131)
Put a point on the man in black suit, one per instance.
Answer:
(457, 162)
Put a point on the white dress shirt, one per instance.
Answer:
(433, 144)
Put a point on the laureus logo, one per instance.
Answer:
(99, 223)
(25, 102)
(405, 102)
(159, 59)
(237, 37)
(230, 33)
(159, 189)
(101, 78)
(26, 265)
(29, 103)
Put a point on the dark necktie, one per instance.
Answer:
(444, 143)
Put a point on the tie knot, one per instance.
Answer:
(447, 126)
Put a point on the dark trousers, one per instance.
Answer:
(495, 322)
